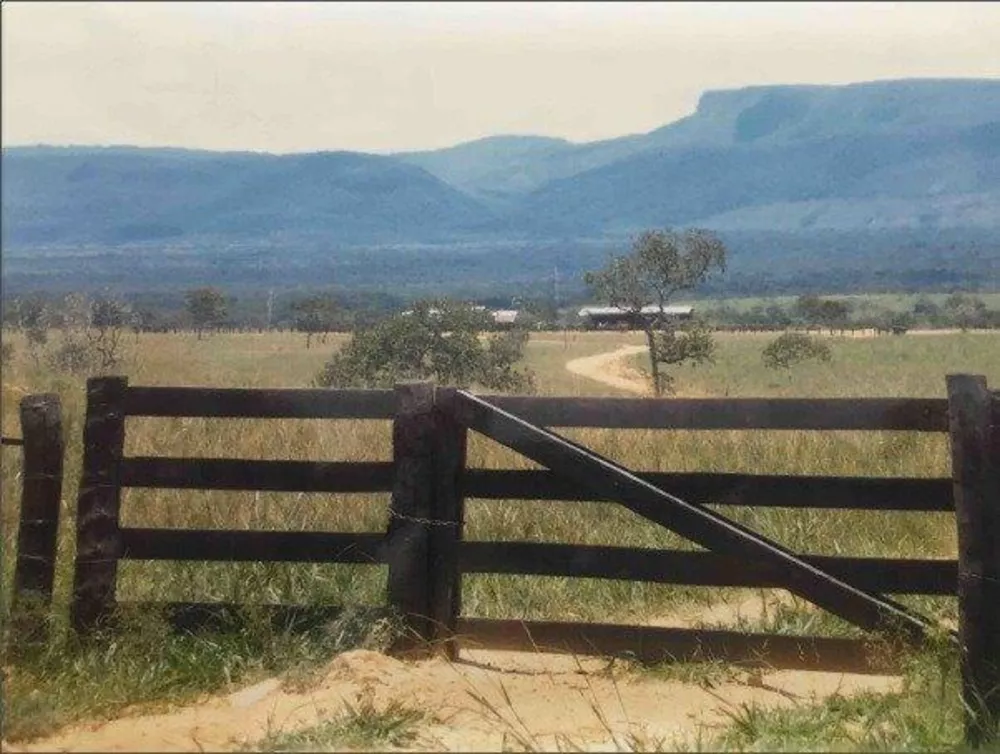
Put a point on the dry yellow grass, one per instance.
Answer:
(885, 366)
(149, 668)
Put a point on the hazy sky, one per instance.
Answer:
(284, 77)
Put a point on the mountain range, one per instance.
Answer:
(917, 156)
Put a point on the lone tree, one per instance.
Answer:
(206, 307)
(110, 318)
(314, 315)
(440, 340)
(662, 263)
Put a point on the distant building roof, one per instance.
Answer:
(505, 316)
(608, 311)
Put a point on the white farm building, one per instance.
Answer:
(598, 317)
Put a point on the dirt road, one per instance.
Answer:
(488, 701)
(612, 369)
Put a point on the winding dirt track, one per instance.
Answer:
(611, 369)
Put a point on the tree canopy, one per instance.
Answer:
(439, 340)
(206, 307)
(661, 264)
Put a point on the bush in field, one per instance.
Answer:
(91, 334)
(71, 356)
(6, 353)
(793, 348)
(965, 311)
(437, 340)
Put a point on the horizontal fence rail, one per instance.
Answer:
(253, 403)
(911, 414)
(245, 474)
(759, 490)
(221, 545)
(892, 575)
(649, 644)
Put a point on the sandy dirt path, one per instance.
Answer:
(612, 369)
(487, 701)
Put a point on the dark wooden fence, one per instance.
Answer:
(41, 445)
(426, 552)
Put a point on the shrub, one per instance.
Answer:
(439, 340)
(793, 348)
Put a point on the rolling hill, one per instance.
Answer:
(119, 195)
(915, 158)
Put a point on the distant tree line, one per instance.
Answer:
(962, 311)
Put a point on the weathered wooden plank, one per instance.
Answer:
(411, 514)
(260, 403)
(652, 645)
(220, 545)
(891, 575)
(12, 441)
(98, 540)
(448, 510)
(915, 414)
(240, 474)
(975, 451)
(698, 524)
(862, 493)
(41, 493)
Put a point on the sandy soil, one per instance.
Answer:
(487, 701)
(612, 369)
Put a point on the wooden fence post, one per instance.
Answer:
(976, 473)
(410, 512)
(98, 537)
(448, 512)
(41, 494)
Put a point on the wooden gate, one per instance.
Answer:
(610, 481)
(427, 553)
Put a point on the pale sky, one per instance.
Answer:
(380, 77)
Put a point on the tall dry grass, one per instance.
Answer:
(907, 366)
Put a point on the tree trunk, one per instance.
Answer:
(654, 365)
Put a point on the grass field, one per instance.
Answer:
(146, 666)
(896, 302)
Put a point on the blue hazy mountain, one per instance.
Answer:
(114, 195)
(915, 157)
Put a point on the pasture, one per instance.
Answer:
(68, 683)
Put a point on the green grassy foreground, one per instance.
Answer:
(146, 666)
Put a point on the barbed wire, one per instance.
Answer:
(422, 521)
